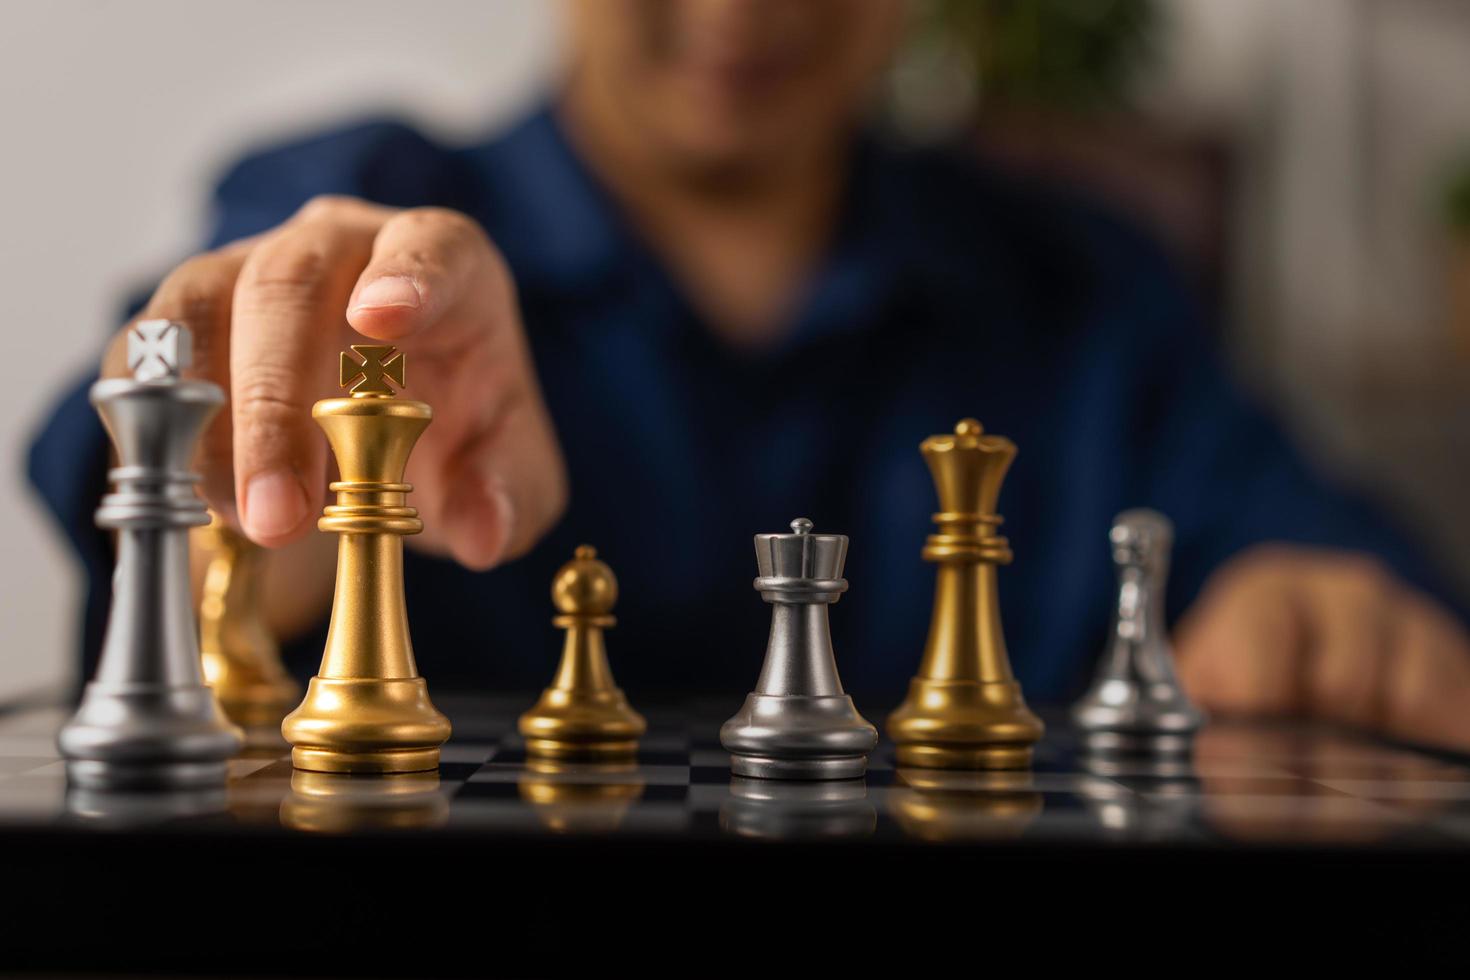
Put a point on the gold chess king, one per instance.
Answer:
(367, 710)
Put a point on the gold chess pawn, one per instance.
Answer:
(583, 714)
(368, 710)
(964, 709)
(242, 661)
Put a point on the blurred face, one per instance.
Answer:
(722, 83)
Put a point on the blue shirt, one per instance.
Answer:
(947, 291)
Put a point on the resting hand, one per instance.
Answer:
(1330, 635)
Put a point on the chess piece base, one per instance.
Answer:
(366, 725)
(1137, 718)
(146, 736)
(586, 751)
(964, 757)
(798, 736)
(1139, 743)
(768, 767)
(590, 726)
(946, 724)
(390, 761)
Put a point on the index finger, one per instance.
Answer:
(425, 262)
(287, 320)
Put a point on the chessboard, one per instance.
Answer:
(1313, 824)
(1243, 783)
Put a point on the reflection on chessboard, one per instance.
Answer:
(1244, 783)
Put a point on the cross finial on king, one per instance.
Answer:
(380, 364)
(158, 350)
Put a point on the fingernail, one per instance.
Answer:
(275, 504)
(386, 292)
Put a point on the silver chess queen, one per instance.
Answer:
(147, 720)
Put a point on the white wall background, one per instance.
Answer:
(114, 119)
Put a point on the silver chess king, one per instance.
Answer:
(147, 720)
(799, 723)
(1136, 703)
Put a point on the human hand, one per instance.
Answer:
(269, 315)
(1284, 630)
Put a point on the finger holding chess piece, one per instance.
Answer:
(1136, 704)
(965, 709)
(583, 714)
(147, 720)
(367, 710)
(242, 661)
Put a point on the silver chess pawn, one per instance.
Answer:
(1136, 703)
(799, 723)
(147, 720)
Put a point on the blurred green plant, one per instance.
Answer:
(1457, 198)
(1076, 55)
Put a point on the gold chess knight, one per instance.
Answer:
(583, 714)
(368, 710)
(964, 709)
(242, 662)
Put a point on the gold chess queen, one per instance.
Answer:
(964, 709)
